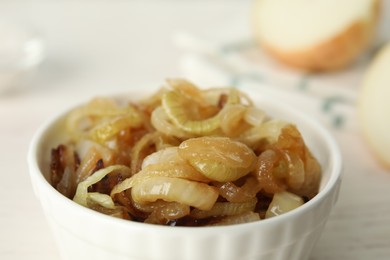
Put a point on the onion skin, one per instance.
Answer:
(335, 52)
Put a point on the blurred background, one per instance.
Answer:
(54, 54)
(93, 46)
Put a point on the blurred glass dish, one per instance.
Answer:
(21, 51)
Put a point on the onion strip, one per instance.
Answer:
(225, 209)
(172, 170)
(81, 196)
(194, 194)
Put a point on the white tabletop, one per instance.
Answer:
(96, 47)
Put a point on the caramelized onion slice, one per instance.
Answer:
(187, 89)
(194, 194)
(218, 158)
(188, 115)
(103, 200)
(232, 119)
(103, 115)
(108, 129)
(166, 211)
(234, 193)
(81, 196)
(225, 209)
(267, 164)
(167, 155)
(162, 123)
(254, 116)
(269, 131)
(238, 219)
(172, 170)
(283, 202)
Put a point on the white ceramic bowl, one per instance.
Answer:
(82, 233)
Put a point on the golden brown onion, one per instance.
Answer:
(194, 194)
(218, 158)
(225, 209)
(173, 170)
(283, 202)
(238, 219)
(187, 114)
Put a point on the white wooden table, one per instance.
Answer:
(95, 47)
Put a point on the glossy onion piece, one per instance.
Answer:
(312, 180)
(108, 129)
(100, 111)
(234, 193)
(103, 200)
(232, 120)
(238, 219)
(85, 146)
(88, 164)
(187, 114)
(302, 182)
(186, 88)
(213, 96)
(162, 123)
(137, 153)
(166, 211)
(173, 170)
(194, 194)
(167, 155)
(254, 116)
(269, 131)
(296, 170)
(283, 202)
(267, 164)
(150, 207)
(63, 167)
(81, 195)
(225, 209)
(218, 158)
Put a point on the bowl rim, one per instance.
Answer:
(335, 169)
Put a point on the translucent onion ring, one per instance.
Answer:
(166, 211)
(173, 170)
(266, 164)
(225, 209)
(81, 196)
(136, 152)
(166, 155)
(186, 88)
(162, 123)
(194, 194)
(98, 109)
(238, 219)
(108, 129)
(175, 106)
(103, 200)
(233, 193)
(269, 131)
(232, 119)
(218, 158)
